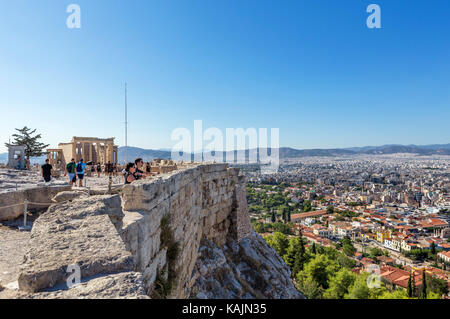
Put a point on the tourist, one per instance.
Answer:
(47, 171)
(147, 167)
(139, 166)
(109, 169)
(92, 165)
(71, 170)
(19, 162)
(99, 169)
(81, 167)
(130, 173)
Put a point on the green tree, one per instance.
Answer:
(330, 210)
(313, 248)
(310, 289)
(359, 289)
(279, 242)
(307, 206)
(409, 288)
(433, 249)
(319, 269)
(396, 294)
(437, 286)
(291, 251)
(299, 260)
(339, 284)
(33, 148)
(273, 217)
(423, 293)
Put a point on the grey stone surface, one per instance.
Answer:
(75, 233)
(68, 195)
(127, 285)
(241, 270)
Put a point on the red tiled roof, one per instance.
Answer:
(433, 222)
(399, 277)
(308, 214)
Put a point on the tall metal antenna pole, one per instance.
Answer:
(126, 125)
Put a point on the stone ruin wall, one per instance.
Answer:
(42, 195)
(104, 233)
(204, 201)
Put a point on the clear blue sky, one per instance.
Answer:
(311, 68)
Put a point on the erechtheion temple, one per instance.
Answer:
(91, 149)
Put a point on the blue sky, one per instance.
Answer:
(310, 68)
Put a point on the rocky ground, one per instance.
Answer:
(12, 249)
(12, 180)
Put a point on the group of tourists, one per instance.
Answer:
(135, 171)
(76, 171)
(109, 169)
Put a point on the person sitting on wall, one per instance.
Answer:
(139, 168)
(130, 173)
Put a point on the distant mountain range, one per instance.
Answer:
(287, 152)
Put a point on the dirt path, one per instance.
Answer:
(12, 249)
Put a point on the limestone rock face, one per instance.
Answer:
(241, 270)
(127, 285)
(77, 233)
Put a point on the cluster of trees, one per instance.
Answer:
(348, 213)
(423, 254)
(272, 227)
(277, 205)
(353, 204)
(325, 273)
(347, 247)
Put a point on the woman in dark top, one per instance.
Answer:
(130, 173)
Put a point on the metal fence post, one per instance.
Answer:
(25, 208)
(109, 184)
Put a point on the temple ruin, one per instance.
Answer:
(91, 149)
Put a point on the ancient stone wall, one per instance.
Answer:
(105, 235)
(11, 209)
(202, 201)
